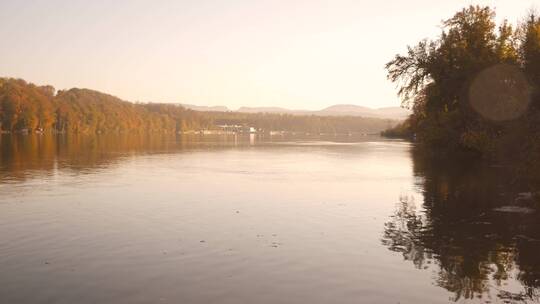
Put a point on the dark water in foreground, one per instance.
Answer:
(215, 220)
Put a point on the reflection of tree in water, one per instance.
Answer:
(403, 233)
(22, 155)
(475, 250)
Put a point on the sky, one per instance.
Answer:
(298, 54)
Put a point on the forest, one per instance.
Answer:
(25, 107)
(475, 88)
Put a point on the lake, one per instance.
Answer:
(160, 219)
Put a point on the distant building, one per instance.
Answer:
(237, 129)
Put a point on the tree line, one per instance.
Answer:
(25, 107)
(475, 88)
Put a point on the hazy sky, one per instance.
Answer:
(297, 54)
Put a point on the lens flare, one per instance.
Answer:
(500, 93)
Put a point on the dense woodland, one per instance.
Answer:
(476, 88)
(27, 107)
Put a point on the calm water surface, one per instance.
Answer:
(225, 220)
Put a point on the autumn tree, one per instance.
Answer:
(436, 78)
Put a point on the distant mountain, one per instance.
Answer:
(335, 110)
(397, 111)
(354, 110)
(206, 108)
(265, 110)
(346, 108)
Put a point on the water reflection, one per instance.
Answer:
(165, 219)
(22, 156)
(471, 229)
(144, 203)
(26, 156)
